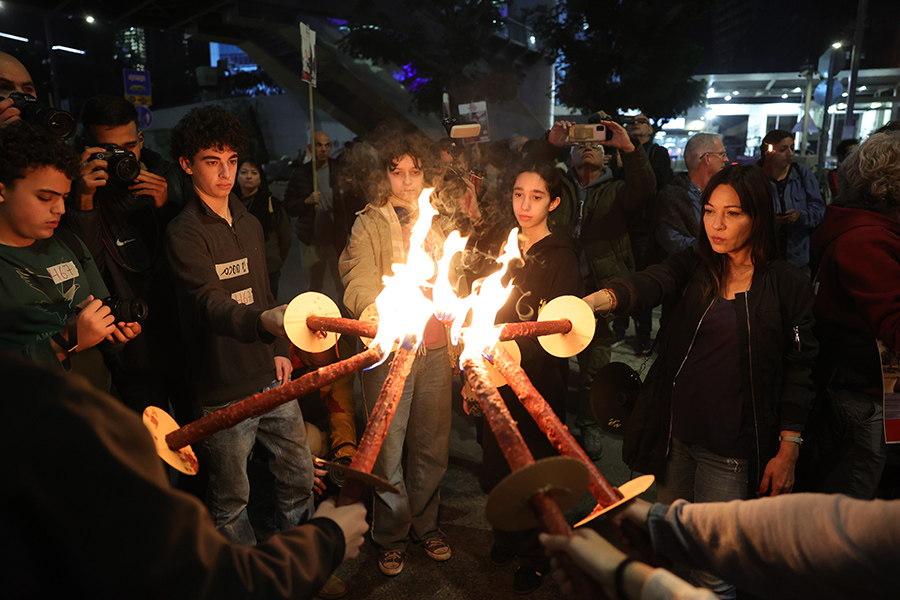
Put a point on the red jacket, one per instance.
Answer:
(858, 282)
(857, 294)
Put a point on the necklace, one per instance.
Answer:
(735, 278)
(741, 274)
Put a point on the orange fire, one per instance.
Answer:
(486, 300)
(403, 307)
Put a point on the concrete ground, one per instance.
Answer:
(469, 573)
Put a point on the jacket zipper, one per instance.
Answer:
(797, 337)
(752, 392)
(678, 372)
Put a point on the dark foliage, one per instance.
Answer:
(616, 55)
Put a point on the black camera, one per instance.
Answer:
(121, 164)
(626, 121)
(58, 122)
(128, 310)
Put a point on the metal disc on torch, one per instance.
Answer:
(304, 305)
(576, 310)
(508, 508)
(629, 490)
(160, 424)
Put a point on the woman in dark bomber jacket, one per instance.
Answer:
(722, 410)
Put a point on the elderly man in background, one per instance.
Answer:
(678, 206)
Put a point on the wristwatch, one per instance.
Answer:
(790, 438)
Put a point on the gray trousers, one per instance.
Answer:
(422, 424)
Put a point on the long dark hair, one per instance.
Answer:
(259, 207)
(552, 179)
(773, 137)
(752, 187)
(549, 173)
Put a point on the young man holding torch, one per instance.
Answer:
(233, 330)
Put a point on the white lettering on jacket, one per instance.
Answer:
(243, 296)
(232, 269)
(63, 272)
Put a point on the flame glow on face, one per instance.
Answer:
(485, 301)
(403, 308)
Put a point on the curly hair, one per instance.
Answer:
(209, 126)
(24, 146)
(873, 172)
(392, 145)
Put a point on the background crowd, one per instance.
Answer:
(157, 281)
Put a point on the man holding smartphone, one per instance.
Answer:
(593, 209)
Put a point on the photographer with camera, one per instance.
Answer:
(50, 290)
(120, 207)
(14, 78)
(18, 102)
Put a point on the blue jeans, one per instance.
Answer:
(858, 471)
(698, 475)
(422, 424)
(283, 434)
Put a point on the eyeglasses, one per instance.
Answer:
(723, 154)
(642, 121)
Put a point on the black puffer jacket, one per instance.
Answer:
(775, 322)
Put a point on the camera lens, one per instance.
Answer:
(59, 123)
(127, 169)
(133, 310)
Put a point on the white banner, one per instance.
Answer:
(308, 52)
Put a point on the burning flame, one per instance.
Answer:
(403, 308)
(404, 305)
(448, 307)
(485, 301)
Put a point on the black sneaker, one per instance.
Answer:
(501, 556)
(526, 580)
(644, 348)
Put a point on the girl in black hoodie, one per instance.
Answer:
(549, 269)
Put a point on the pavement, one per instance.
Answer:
(469, 573)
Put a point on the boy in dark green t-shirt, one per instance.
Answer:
(50, 290)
